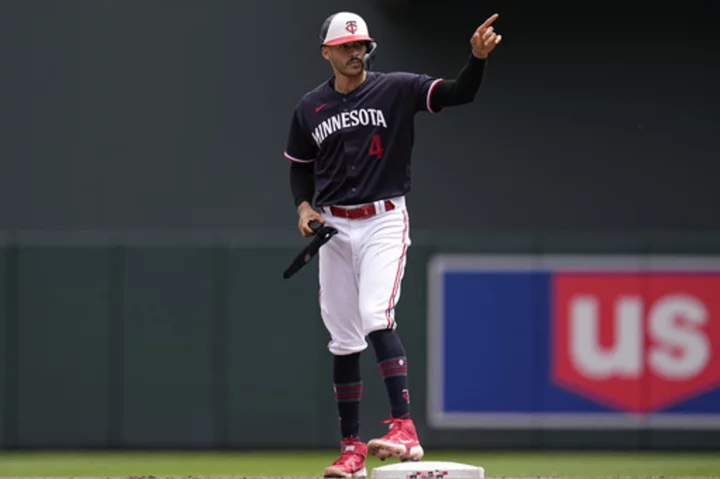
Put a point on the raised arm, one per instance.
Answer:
(464, 87)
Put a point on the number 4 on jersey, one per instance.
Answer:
(376, 148)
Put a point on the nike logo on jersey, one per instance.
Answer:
(320, 107)
(348, 119)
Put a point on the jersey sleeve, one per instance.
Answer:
(300, 147)
(421, 88)
(425, 85)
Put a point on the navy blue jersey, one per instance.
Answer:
(360, 142)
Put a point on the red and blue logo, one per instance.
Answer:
(351, 26)
(568, 341)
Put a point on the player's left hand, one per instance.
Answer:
(485, 39)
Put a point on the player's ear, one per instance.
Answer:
(325, 51)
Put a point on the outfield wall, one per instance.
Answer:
(136, 341)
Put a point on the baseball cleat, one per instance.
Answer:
(351, 463)
(401, 442)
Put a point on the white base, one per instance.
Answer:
(428, 470)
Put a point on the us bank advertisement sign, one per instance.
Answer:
(574, 341)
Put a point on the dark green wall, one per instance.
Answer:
(178, 341)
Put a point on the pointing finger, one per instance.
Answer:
(489, 21)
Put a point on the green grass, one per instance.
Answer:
(25, 464)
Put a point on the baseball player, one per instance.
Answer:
(349, 145)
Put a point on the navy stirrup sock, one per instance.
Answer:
(348, 387)
(392, 362)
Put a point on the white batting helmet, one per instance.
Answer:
(344, 27)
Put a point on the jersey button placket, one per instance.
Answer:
(348, 154)
(352, 167)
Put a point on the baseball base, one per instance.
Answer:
(428, 470)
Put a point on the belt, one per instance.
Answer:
(362, 212)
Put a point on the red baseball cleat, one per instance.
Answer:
(401, 441)
(351, 463)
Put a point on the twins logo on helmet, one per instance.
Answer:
(335, 29)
